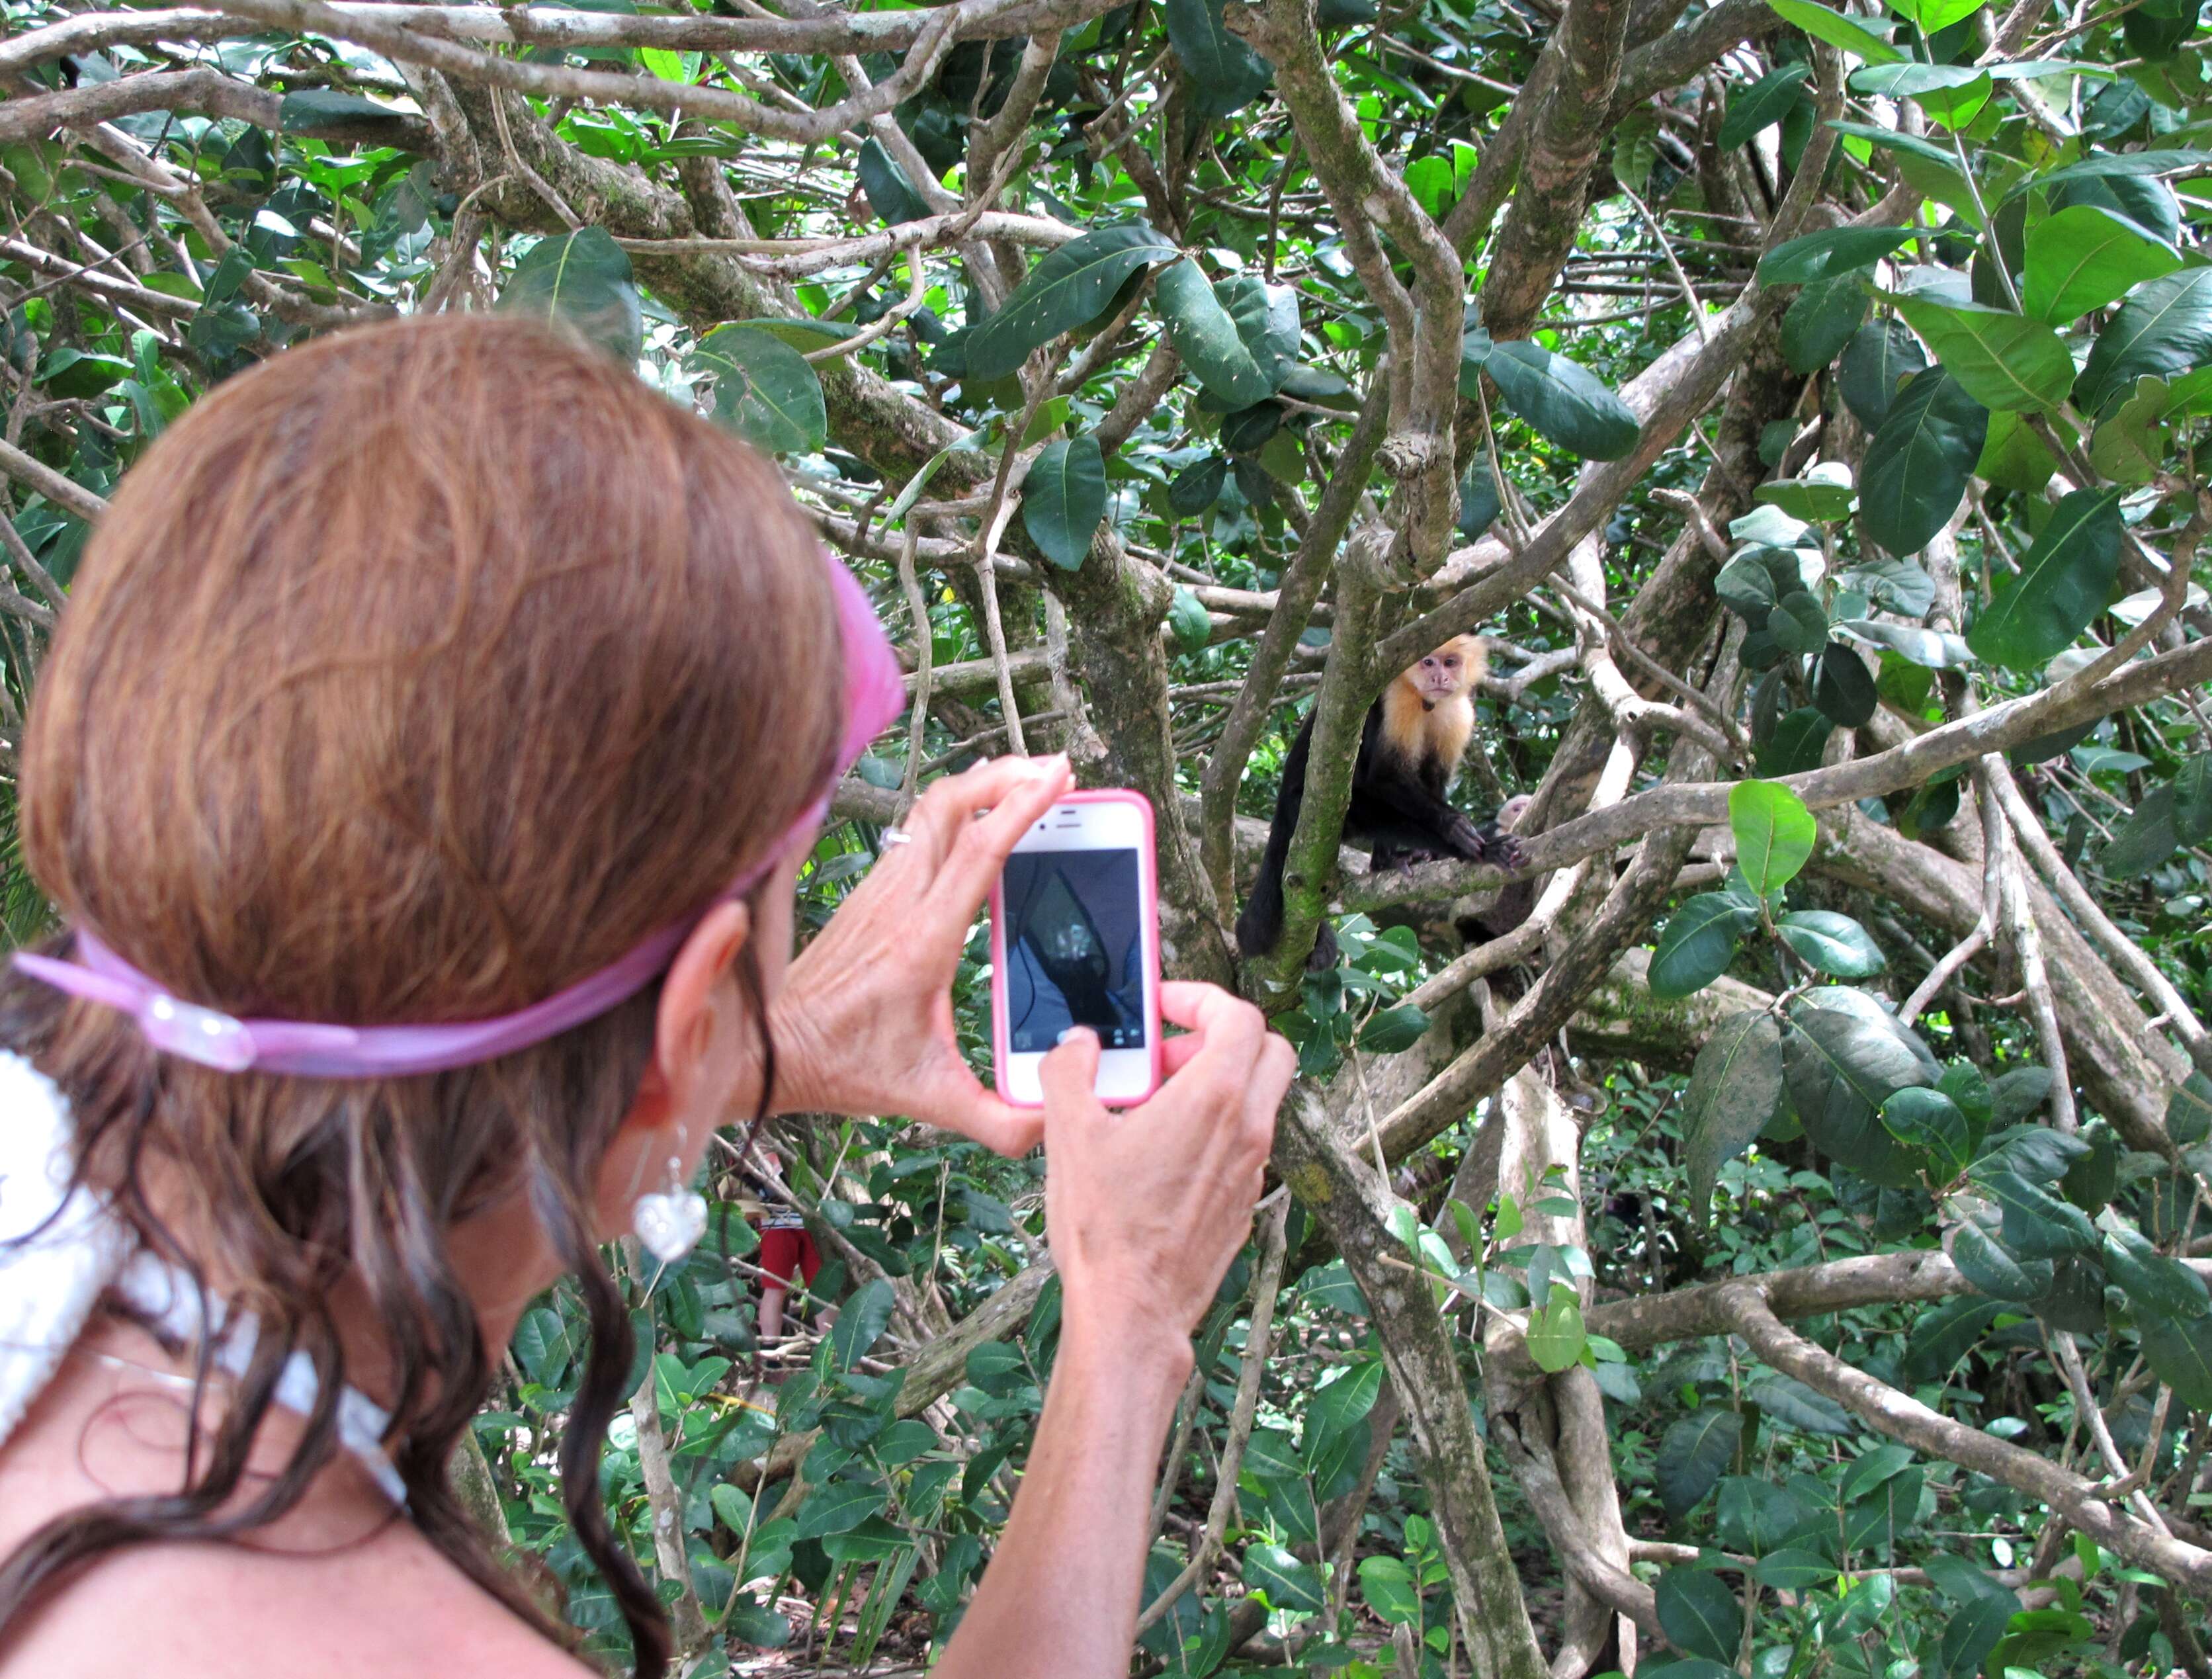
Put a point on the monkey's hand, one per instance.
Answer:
(1501, 847)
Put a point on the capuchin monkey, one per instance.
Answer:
(1517, 901)
(1412, 743)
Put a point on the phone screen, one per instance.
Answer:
(1075, 948)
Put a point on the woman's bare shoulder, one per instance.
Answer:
(392, 1607)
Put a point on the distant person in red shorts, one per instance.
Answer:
(787, 1251)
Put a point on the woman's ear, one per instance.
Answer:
(689, 1016)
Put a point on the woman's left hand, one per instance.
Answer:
(864, 1022)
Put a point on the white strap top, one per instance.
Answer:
(50, 1281)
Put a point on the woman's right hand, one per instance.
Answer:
(1143, 1209)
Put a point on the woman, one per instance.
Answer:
(423, 768)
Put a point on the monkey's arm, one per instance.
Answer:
(1392, 785)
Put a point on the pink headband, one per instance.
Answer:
(874, 697)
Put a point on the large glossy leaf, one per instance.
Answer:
(2178, 1350)
(1774, 834)
(1983, 1261)
(1930, 1121)
(584, 279)
(1824, 24)
(1881, 355)
(1918, 463)
(1225, 74)
(891, 195)
(1289, 1582)
(2156, 1285)
(1843, 688)
(2084, 256)
(1068, 288)
(2006, 363)
(1698, 944)
(1954, 95)
(764, 390)
(1239, 336)
(1753, 110)
(1198, 486)
(1562, 400)
(1841, 1063)
(1699, 1613)
(1799, 740)
(1694, 1454)
(1064, 499)
(2144, 840)
(1820, 319)
(1735, 1088)
(1831, 943)
(1824, 255)
(2166, 329)
(839, 1507)
(2064, 581)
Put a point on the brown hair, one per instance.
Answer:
(411, 677)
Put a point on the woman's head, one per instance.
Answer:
(411, 677)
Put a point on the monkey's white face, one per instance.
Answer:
(1440, 675)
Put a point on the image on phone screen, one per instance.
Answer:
(1075, 948)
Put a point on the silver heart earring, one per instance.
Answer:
(670, 1221)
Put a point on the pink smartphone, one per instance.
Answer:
(1075, 941)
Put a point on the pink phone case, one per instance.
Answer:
(1148, 911)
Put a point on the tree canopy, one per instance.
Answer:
(1784, 1252)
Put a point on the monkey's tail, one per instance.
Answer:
(1261, 925)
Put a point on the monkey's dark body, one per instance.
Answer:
(1397, 807)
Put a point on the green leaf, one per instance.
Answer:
(2178, 1350)
(892, 194)
(2084, 256)
(1831, 943)
(2130, 441)
(1563, 399)
(1823, 495)
(1794, 1405)
(1289, 1582)
(1824, 25)
(1996, 1273)
(1198, 486)
(2064, 581)
(1954, 95)
(1842, 1058)
(838, 1507)
(2006, 363)
(1842, 687)
(1555, 1335)
(584, 279)
(2038, 1225)
(1918, 462)
(764, 390)
(331, 112)
(861, 1323)
(1828, 253)
(1064, 499)
(1698, 944)
(1935, 17)
(1797, 743)
(1880, 356)
(1735, 1088)
(2156, 1285)
(1757, 108)
(1694, 1454)
(1224, 74)
(1799, 622)
(1929, 1120)
(1388, 1585)
(1793, 1570)
(1699, 1613)
(1192, 624)
(2144, 840)
(1067, 289)
(2166, 329)
(1479, 503)
(1774, 834)
(1393, 1030)
(2189, 1111)
(1239, 336)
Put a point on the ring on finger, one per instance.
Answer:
(896, 837)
